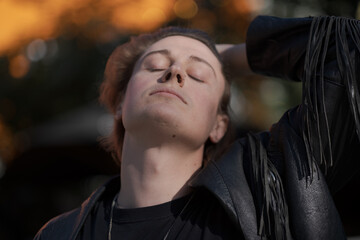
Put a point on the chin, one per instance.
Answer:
(165, 114)
(155, 120)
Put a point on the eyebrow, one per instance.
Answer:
(162, 51)
(197, 59)
(192, 57)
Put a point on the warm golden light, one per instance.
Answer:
(23, 21)
(185, 9)
(246, 6)
(142, 15)
(19, 66)
(19, 22)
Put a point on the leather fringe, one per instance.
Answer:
(269, 196)
(316, 131)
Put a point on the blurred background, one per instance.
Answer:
(52, 58)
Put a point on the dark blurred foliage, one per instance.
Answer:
(50, 120)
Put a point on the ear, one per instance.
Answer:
(118, 113)
(220, 128)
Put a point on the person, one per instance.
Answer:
(184, 177)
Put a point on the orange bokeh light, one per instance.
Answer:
(22, 21)
(19, 66)
(185, 8)
(142, 15)
(247, 7)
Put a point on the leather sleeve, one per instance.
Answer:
(324, 54)
(276, 46)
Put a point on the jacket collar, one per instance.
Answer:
(86, 207)
(225, 178)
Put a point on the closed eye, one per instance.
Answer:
(196, 79)
(155, 69)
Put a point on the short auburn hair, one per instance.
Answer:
(119, 69)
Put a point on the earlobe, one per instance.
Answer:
(220, 128)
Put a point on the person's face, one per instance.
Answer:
(175, 91)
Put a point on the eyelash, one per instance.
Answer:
(155, 69)
(196, 79)
(160, 69)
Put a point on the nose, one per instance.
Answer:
(174, 73)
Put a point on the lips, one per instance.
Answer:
(168, 91)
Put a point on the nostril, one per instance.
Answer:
(168, 75)
(178, 78)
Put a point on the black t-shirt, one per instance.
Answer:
(202, 217)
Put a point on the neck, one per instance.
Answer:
(156, 173)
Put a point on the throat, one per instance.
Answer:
(154, 175)
(148, 186)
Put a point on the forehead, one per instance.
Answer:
(185, 46)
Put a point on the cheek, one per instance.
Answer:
(207, 104)
(132, 95)
(206, 107)
(128, 95)
(135, 87)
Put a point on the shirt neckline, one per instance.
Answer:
(163, 210)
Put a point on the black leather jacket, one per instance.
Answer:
(278, 184)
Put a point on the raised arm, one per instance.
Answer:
(323, 53)
(235, 59)
(321, 133)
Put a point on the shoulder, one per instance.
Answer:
(67, 225)
(59, 227)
